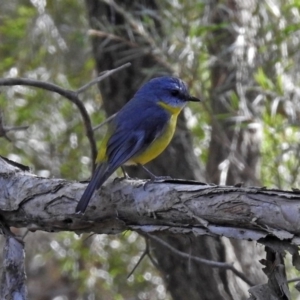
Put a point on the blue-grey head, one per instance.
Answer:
(170, 90)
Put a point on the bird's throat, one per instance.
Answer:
(174, 110)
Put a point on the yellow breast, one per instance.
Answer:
(159, 144)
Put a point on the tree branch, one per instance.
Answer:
(269, 216)
(104, 122)
(213, 264)
(146, 252)
(102, 76)
(71, 96)
(171, 206)
(5, 129)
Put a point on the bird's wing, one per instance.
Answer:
(127, 141)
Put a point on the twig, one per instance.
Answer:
(102, 34)
(293, 280)
(139, 261)
(15, 128)
(25, 234)
(68, 94)
(89, 236)
(146, 252)
(213, 264)
(102, 76)
(154, 262)
(2, 128)
(5, 129)
(104, 122)
(71, 96)
(139, 29)
(15, 164)
(135, 25)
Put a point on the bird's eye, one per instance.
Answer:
(175, 93)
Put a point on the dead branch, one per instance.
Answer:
(171, 206)
(212, 264)
(72, 96)
(5, 129)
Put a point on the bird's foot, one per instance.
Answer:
(125, 175)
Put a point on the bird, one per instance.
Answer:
(140, 131)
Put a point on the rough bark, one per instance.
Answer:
(174, 206)
(13, 284)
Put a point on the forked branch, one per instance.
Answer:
(71, 95)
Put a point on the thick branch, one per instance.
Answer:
(173, 206)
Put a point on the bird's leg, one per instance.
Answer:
(126, 176)
(152, 176)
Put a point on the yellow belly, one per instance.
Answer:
(155, 148)
(158, 145)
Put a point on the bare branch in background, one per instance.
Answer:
(71, 96)
(213, 264)
(102, 76)
(145, 253)
(5, 129)
(104, 122)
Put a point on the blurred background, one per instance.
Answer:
(241, 57)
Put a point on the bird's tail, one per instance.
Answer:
(99, 177)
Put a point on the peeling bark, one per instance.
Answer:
(171, 206)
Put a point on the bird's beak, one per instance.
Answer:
(193, 99)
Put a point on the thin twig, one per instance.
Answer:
(5, 129)
(213, 264)
(293, 280)
(102, 76)
(15, 128)
(104, 122)
(139, 29)
(139, 261)
(146, 252)
(70, 95)
(154, 262)
(102, 34)
(135, 25)
(2, 127)
(25, 234)
(89, 236)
